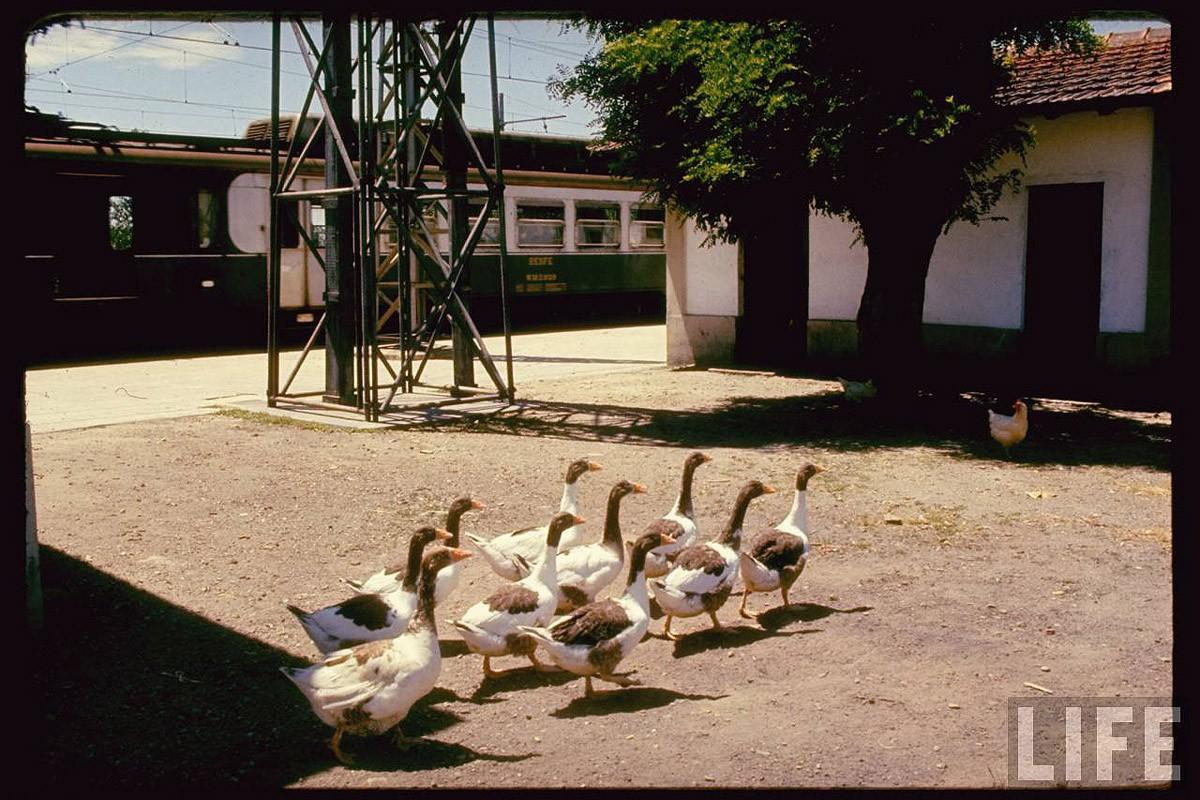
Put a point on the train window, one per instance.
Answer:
(646, 226)
(540, 224)
(120, 222)
(597, 225)
(316, 218)
(206, 219)
(490, 238)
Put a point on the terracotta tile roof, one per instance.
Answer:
(1133, 64)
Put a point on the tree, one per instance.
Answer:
(893, 124)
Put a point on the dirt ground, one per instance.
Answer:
(943, 579)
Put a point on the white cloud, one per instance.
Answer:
(60, 46)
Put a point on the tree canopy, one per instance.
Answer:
(892, 123)
(712, 112)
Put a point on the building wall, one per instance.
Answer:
(977, 273)
(974, 301)
(703, 296)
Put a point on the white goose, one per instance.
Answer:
(595, 638)
(775, 559)
(511, 555)
(704, 573)
(679, 523)
(369, 689)
(368, 617)
(584, 570)
(389, 578)
(491, 627)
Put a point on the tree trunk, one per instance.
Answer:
(890, 314)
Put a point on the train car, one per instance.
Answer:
(138, 240)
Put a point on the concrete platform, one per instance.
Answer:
(106, 394)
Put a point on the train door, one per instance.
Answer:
(312, 216)
(95, 262)
(249, 220)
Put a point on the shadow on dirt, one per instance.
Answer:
(515, 679)
(131, 690)
(624, 701)
(728, 636)
(378, 754)
(775, 618)
(1059, 433)
(134, 690)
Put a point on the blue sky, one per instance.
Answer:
(214, 78)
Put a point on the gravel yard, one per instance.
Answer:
(943, 579)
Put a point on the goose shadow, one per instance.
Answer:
(726, 637)
(625, 701)
(379, 754)
(775, 618)
(516, 679)
(425, 718)
(452, 648)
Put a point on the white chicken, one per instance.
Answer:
(1009, 430)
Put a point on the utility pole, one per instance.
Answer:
(455, 164)
(340, 278)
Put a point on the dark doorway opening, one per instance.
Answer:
(1062, 280)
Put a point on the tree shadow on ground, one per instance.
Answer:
(1059, 433)
(624, 701)
(775, 618)
(130, 690)
(727, 636)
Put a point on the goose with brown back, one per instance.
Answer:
(775, 559)
(703, 576)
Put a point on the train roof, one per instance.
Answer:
(527, 152)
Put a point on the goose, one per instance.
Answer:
(368, 689)
(489, 627)
(593, 639)
(390, 578)
(679, 522)
(583, 571)
(511, 555)
(367, 617)
(775, 559)
(704, 573)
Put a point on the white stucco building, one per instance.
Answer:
(1078, 266)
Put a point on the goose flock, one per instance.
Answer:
(380, 646)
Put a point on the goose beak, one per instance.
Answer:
(475, 504)
(707, 458)
(639, 489)
(769, 489)
(579, 520)
(593, 466)
(458, 554)
(443, 535)
(667, 538)
(817, 468)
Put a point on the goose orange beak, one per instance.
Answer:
(593, 466)
(769, 489)
(579, 520)
(639, 488)
(476, 504)
(443, 535)
(458, 554)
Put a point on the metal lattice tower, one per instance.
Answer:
(399, 237)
